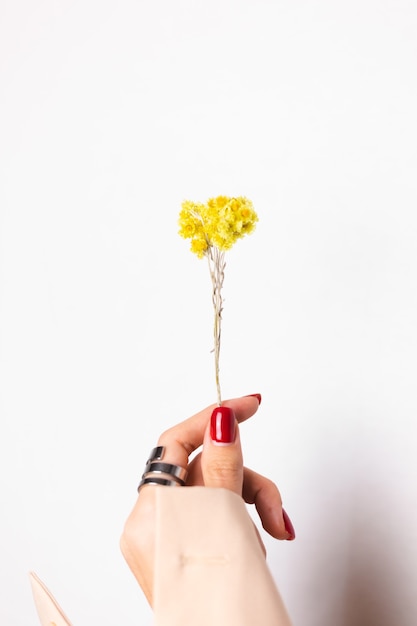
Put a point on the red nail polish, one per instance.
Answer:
(256, 395)
(223, 425)
(288, 526)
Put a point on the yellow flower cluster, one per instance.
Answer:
(218, 223)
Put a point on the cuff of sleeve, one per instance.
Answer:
(210, 568)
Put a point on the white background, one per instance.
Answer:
(112, 113)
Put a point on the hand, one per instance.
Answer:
(220, 464)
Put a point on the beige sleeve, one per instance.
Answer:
(49, 611)
(210, 569)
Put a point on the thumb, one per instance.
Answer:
(221, 458)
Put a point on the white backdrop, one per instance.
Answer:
(112, 113)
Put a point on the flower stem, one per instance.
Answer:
(216, 266)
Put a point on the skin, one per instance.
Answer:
(215, 466)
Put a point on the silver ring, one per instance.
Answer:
(156, 454)
(177, 474)
(157, 481)
(176, 471)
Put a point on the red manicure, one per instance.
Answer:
(223, 425)
(256, 395)
(288, 526)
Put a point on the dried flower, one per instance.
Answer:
(213, 228)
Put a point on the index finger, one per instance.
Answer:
(181, 440)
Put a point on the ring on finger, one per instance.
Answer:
(175, 474)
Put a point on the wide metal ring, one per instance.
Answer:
(156, 454)
(176, 475)
(157, 467)
(157, 481)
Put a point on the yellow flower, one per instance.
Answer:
(213, 228)
(199, 247)
(220, 222)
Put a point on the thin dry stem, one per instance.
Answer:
(216, 266)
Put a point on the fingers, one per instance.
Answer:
(221, 465)
(260, 491)
(221, 458)
(181, 440)
(264, 494)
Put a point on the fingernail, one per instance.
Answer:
(223, 425)
(255, 395)
(288, 526)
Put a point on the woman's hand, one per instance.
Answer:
(219, 464)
